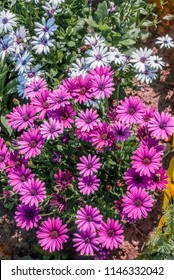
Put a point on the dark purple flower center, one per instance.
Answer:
(137, 179)
(87, 240)
(54, 234)
(162, 125)
(45, 104)
(131, 111)
(23, 178)
(17, 164)
(36, 88)
(83, 90)
(101, 87)
(143, 59)
(146, 161)
(98, 57)
(146, 118)
(120, 132)
(2, 158)
(90, 165)
(26, 118)
(4, 20)
(45, 29)
(33, 143)
(29, 214)
(64, 116)
(104, 136)
(156, 178)
(88, 218)
(61, 200)
(33, 192)
(111, 233)
(138, 203)
(88, 120)
(31, 75)
(52, 130)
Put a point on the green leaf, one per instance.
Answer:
(102, 11)
(127, 42)
(5, 125)
(71, 44)
(69, 30)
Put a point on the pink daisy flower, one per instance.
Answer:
(65, 115)
(36, 86)
(86, 242)
(88, 165)
(59, 201)
(70, 84)
(88, 217)
(63, 178)
(158, 180)
(83, 135)
(27, 216)
(87, 120)
(52, 234)
(83, 90)
(121, 131)
(148, 114)
(33, 192)
(4, 155)
(30, 143)
(102, 86)
(17, 178)
(40, 103)
(88, 185)
(133, 179)
(22, 117)
(58, 98)
(130, 110)
(111, 234)
(102, 71)
(15, 161)
(51, 129)
(137, 203)
(102, 136)
(161, 125)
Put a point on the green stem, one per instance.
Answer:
(47, 214)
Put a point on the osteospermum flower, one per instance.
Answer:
(15, 161)
(88, 217)
(22, 117)
(7, 21)
(154, 61)
(4, 154)
(63, 178)
(140, 57)
(165, 42)
(46, 29)
(59, 201)
(137, 203)
(147, 76)
(52, 234)
(102, 71)
(98, 56)
(88, 165)
(88, 185)
(102, 136)
(102, 86)
(94, 40)
(158, 180)
(148, 114)
(37, 85)
(42, 45)
(87, 120)
(133, 179)
(121, 131)
(111, 234)
(130, 110)
(83, 90)
(6, 46)
(30, 143)
(51, 129)
(33, 192)
(116, 56)
(146, 161)
(27, 216)
(58, 98)
(40, 102)
(161, 125)
(65, 115)
(86, 242)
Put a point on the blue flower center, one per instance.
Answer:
(4, 20)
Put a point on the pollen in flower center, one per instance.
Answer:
(98, 57)
(36, 88)
(143, 59)
(137, 202)
(101, 87)
(26, 118)
(83, 90)
(131, 111)
(45, 105)
(88, 218)
(64, 116)
(162, 126)
(89, 166)
(33, 192)
(54, 234)
(104, 136)
(33, 144)
(1, 158)
(146, 161)
(111, 233)
(88, 120)
(23, 178)
(87, 240)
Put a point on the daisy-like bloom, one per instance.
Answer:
(111, 234)
(52, 234)
(88, 217)
(4, 154)
(42, 45)
(46, 29)
(20, 39)
(152, 142)
(146, 161)
(121, 131)
(86, 242)
(137, 203)
(102, 136)
(155, 62)
(147, 76)
(133, 179)
(78, 68)
(33, 192)
(88, 185)
(83, 90)
(65, 115)
(158, 180)
(59, 201)
(161, 125)
(22, 117)
(56, 2)
(30, 143)
(102, 86)
(6, 46)
(7, 21)
(102, 71)
(50, 10)
(51, 129)
(63, 178)
(15, 161)
(130, 110)
(165, 42)
(23, 62)
(87, 120)
(140, 57)
(58, 98)
(17, 178)
(40, 102)
(148, 114)
(27, 216)
(94, 40)
(37, 85)
(116, 56)
(83, 135)
(88, 165)
(97, 56)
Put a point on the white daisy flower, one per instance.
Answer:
(42, 45)
(97, 57)
(6, 46)
(20, 39)
(155, 62)
(116, 56)
(45, 29)
(50, 10)
(165, 42)
(7, 21)
(94, 41)
(147, 76)
(23, 62)
(78, 68)
(140, 57)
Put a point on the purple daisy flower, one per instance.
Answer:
(111, 234)
(130, 110)
(133, 179)
(121, 131)
(102, 86)
(88, 217)
(33, 192)
(83, 90)
(158, 180)
(58, 98)
(102, 71)
(40, 103)
(86, 242)
(87, 120)
(146, 161)
(17, 178)
(51, 129)
(148, 114)
(52, 234)
(102, 136)
(36, 86)
(22, 117)
(65, 115)
(88, 165)
(27, 216)
(161, 125)
(59, 201)
(4, 155)
(30, 143)
(63, 178)
(88, 185)
(15, 161)
(137, 203)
